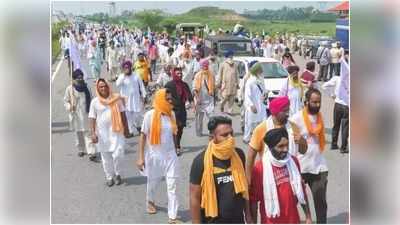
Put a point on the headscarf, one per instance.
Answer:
(204, 75)
(278, 104)
(252, 63)
(204, 63)
(295, 83)
(257, 66)
(112, 101)
(161, 106)
(229, 53)
(82, 87)
(180, 86)
(318, 131)
(127, 64)
(223, 151)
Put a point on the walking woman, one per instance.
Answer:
(157, 156)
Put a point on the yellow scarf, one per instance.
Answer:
(112, 102)
(161, 106)
(204, 74)
(297, 84)
(223, 151)
(142, 68)
(319, 130)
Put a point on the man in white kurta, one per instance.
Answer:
(112, 61)
(254, 94)
(165, 76)
(75, 104)
(314, 168)
(110, 144)
(204, 100)
(293, 88)
(132, 89)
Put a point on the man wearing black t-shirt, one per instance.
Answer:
(218, 186)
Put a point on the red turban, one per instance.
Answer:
(278, 104)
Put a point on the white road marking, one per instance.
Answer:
(57, 69)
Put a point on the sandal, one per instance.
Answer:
(151, 208)
(172, 221)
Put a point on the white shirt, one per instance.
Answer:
(187, 71)
(312, 161)
(341, 84)
(78, 118)
(109, 141)
(159, 158)
(163, 79)
(133, 89)
(253, 94)
(268, 50)
(112, 57)
(294, 95)
(293, 147)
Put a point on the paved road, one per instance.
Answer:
(79, 193)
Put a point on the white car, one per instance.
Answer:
(274, 74)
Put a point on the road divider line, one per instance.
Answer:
(56, 71)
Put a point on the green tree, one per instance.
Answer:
(150, 18)
(169, 24)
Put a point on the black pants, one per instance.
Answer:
(323, 72)
(334, 69)
(340, 119)
(179, 136)
(318, 184)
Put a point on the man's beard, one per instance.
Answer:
(278, 155)
(313, 110)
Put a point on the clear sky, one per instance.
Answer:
(176, 7)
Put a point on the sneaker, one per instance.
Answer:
(334, 147)
(118, 180)
(110, 182)
(81, 154)
(344, 151)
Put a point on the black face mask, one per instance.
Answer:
(313, 110)
(278, 155)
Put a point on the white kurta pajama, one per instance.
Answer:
(161, 161)
(295, 96)
(110, 144)
(253, 96)
(187, 72)
(205, 106)
(132, 88)
(112, 60)
(78, 119)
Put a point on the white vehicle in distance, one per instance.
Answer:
(274, 75)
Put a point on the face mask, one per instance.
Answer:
(278, 155)
(313, 110)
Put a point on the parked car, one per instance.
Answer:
(274, 75)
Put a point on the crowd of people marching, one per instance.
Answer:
(226, 185)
